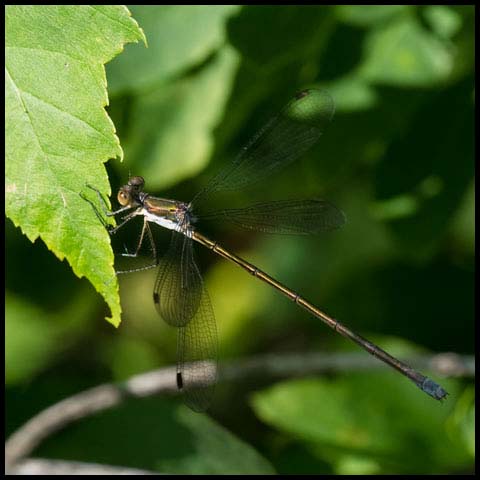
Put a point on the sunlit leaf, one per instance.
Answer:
(58, 134)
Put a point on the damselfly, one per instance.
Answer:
(179, 294)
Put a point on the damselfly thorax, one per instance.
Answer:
(170, 214)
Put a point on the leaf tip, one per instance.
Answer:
(140, 33)
(114, 320)
(143, 36)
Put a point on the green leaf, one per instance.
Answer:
(445, 21)
(163, 437)
(463, 419)
(58, 134)
(379, 419)
(402, 53)
(179, 37)
(351, 94)
(367, 15)
(172, 127)
(215, 450)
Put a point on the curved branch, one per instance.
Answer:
(22, 442)
(41, 466)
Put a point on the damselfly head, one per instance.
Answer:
(137, 182)
(128, 194)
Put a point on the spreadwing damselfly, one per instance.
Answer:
(179, 293)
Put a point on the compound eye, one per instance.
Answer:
(123, 197)
(138, 182)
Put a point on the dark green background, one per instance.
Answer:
(398, 159)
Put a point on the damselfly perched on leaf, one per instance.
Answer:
(179, 294)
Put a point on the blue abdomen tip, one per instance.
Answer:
(433, 389)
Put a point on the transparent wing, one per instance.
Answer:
(197, 357)
(301, 217)
(182, 300)
(284, 139)
(178, 287)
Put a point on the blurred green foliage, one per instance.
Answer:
(398, 159)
